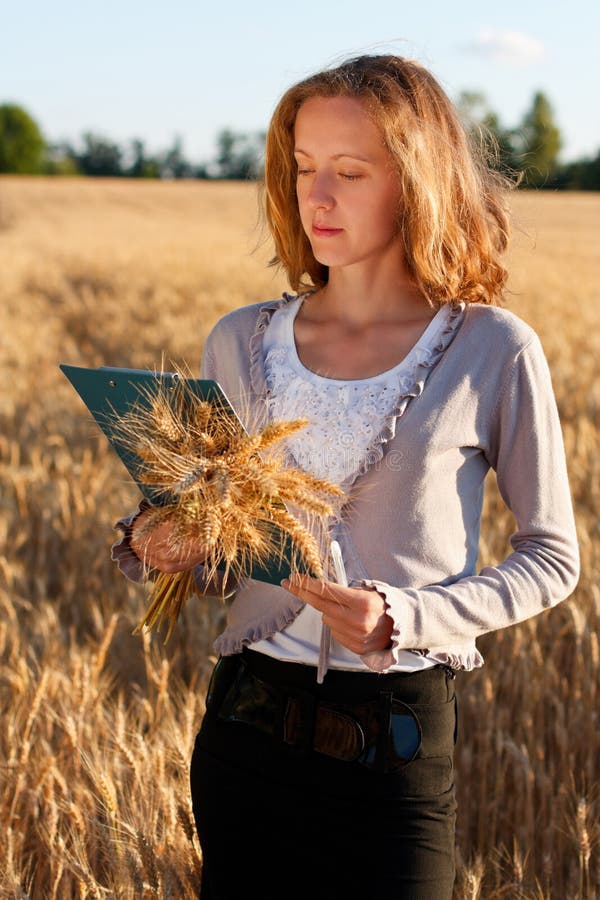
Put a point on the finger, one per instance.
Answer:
(327, 589)
(320, 594)
(297, 582)
(307, 596)
(349, 640)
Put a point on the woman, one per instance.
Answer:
(323, 767)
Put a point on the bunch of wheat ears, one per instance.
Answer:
(220, 487)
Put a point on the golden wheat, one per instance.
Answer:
(219, 491)
(110, 272)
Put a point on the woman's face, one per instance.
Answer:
(348, 193)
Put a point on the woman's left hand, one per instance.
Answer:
(357, 617)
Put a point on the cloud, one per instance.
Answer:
(504, 46)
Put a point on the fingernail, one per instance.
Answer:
(285, 583)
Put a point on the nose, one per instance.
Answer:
(320, 195)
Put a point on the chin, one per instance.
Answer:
(332, 260)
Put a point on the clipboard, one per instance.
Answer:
(110, 391)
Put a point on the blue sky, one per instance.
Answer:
(126, 68)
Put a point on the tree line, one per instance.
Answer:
(529, 152)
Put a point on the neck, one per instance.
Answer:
(363, 294)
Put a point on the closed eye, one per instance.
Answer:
(346, 176)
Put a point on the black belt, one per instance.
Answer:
(382, 733)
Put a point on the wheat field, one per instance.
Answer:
(97, 724)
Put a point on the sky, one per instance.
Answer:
(180, 69)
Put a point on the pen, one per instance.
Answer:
(340, 576)
(338, 564)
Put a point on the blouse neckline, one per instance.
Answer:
(423, 345)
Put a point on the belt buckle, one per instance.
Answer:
(339, 733)
(309, 724)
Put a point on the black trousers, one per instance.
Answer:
(275, 821)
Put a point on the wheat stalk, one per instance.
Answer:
(226, 490)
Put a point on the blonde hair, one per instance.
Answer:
(453, 217)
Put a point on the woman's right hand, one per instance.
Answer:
(156, 548)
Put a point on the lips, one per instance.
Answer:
(325, 230)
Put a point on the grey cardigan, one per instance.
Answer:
(483, 400)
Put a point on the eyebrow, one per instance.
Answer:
(338, 155)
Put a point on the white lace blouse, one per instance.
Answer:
(345, 418)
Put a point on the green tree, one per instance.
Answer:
(538, 142)
(61, 159)
(100, 156)
(580, 175)
(173, 163)
(142, 165)
(240, 154)
(22, 146)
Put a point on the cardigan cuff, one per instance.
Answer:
(383, 660)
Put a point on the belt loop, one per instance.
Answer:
(385, 725)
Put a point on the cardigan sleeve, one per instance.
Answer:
(527, 452)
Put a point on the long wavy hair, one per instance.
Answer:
(453, 216)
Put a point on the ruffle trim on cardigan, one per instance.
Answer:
(460, 658)
(255, 345)
(420, 374)
(234, 639)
